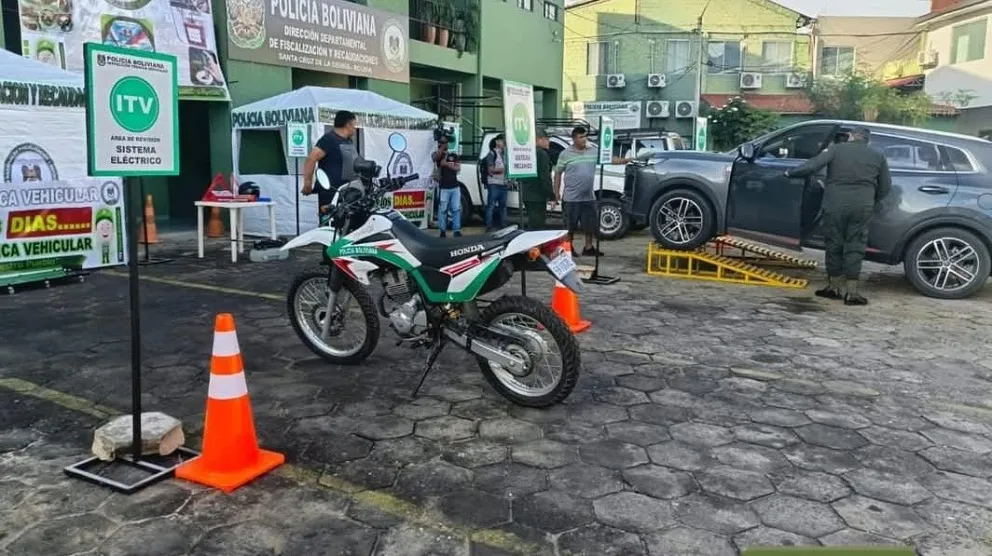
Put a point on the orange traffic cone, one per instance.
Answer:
(149, 224)
(566, 304)
(215, 228)
(231, 457)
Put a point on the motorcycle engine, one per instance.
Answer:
(405, 311)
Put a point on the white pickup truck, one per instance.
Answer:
(614, 222)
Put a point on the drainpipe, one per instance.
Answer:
(699, 72)
(814, 37)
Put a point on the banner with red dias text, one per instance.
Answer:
(50, 228)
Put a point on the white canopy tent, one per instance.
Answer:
(14, 67)
(315, 106)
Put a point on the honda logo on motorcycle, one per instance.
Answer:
(465, 250)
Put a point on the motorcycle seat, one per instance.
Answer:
(435, 252)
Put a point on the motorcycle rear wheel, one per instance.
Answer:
(307, 316)
(547, 332)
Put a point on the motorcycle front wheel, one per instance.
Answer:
(547, 345)
(354, 317)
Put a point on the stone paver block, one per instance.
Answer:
(552, 511)
(160, 501)
(598, 413)
(894, 438)
(475, 453)
(509, 430)
(785, 400)
(958, 423)
(475, 508)
(960, 440)
(714, 513)
(613, 454)
(779, 417)
(642, 382)
(586, 481)
(600, 540)
(242, 539)
(510, 479)
(962, 520)
(812, 485)
(660, 482)
(12, 493)
(59, 499)
(892, 460)
(887, 487)
(765, 435)
(414, 540)
(634, 512)
(555, 414)
(767, 536)
(365, 472)
(689, 542)
(455, 392)
(659, 414)
(960, 488)
(336, 448)
(735, 483)
(853, 537)
(446, 429)
(545, 454)
(816, 458)
(330, 535)
(162, 535)
(750, 456)
(64, 535)
(404, 451)
(681, 456)
(851, 421)
(831, 437)
(423, 408)
(958, 461)
(383, 427)
(880, 518)
(637, 432)
(479, 409)
(574, 432)
(619, 395)
(700, 434)
(692, 385)
(421, 481)
(797, 515)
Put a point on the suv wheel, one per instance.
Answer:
(613, 221)
(682, 219)
(947, 263)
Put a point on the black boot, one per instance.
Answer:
(830, 291)
(852, 295)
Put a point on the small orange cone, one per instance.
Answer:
(231, 457)
(566, 304)
(215, 228)
(148, 223)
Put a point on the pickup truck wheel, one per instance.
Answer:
(613, 221)
(682, 219)
(947, 263)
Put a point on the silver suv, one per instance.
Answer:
(937, 221)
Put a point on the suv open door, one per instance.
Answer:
(762, 203)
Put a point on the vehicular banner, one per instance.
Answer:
(49, 228)
(332, 36)
(401, 153)
(625, 114)
(54, 31)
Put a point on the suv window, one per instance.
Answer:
(909, 154)
(800, 143)
(958, 160)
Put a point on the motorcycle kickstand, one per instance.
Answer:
(431, 358)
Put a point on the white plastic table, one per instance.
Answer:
(237, 223)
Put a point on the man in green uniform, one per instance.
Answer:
(536, 192)
(857, 180)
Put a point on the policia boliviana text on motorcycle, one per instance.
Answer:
(857, 180)
(429, 292)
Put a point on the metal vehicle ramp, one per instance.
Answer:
(714, 263)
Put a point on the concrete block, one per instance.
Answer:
(160, 434)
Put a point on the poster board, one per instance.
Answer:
(519, 122)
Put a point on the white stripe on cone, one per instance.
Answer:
(226, 344)
(227, 387)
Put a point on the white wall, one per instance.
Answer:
(975, 75)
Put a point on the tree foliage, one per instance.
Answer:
(858, 96)
(737, 122)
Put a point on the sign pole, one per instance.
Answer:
(606, 135)
(520, 155)
(297, 172)
(135, 308)
(148, 260)
(297, 147)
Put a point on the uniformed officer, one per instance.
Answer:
(536, 192)
(857, 180)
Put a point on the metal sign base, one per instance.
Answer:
(601, 280)
(104, 473)
(153, 260)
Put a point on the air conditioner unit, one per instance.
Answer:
(658, 109)
(795, 81)
(750, 80)
(616, 81)
(657, 81)
(685, 109)
(927, 58)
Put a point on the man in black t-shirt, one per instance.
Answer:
(449, 194)
(335, 154)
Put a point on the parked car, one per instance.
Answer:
(614, 221)
(937, 221)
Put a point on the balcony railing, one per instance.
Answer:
(447, 23)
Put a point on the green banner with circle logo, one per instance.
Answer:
(606, 135)
(518, 117)
(297, 140)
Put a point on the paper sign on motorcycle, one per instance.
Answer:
(562, 265)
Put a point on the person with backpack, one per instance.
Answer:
(496, 186)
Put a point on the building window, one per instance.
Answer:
(724, 56)
(968, 42)
(526, 5)
(678, 57)
(597, 58)
(776, 56)
(836, 60)
(551, 11)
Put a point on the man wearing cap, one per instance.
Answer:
(577, 164)
(857, 180)
(536, 192)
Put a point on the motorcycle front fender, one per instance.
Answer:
(323, 236)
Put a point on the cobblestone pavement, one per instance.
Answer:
(708, 418)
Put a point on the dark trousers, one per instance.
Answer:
(846, 237)
(496, 207)
(537, 214)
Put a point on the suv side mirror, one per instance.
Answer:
(747, 151)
